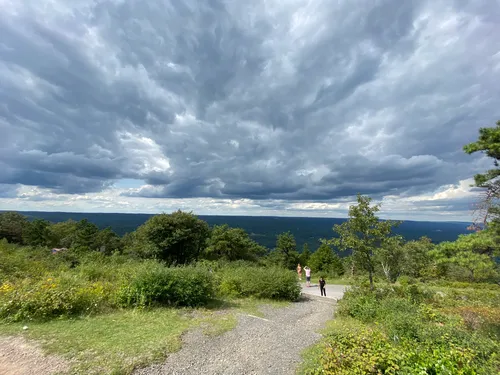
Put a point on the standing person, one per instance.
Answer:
(322, 284)
(308, 276)
(299, 271)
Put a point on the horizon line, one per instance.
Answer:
(226, 215)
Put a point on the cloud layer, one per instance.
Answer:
(267, 101)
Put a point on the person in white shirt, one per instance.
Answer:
(308, 276)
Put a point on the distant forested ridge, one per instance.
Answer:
(264, 229)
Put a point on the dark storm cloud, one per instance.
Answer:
(260, 100)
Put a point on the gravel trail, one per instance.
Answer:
(269, 345)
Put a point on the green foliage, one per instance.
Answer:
(471, 253)
(108, 242)
(483, 242)
(399, 330)
(489, 143)
(51, 298)
(362, 233)
(85, 236)
(305, 255)
(12, 226)
(285, 253)
(325, 260)
(159, 285)
(19, 262)
(37, 233)
(232, 244)
(418, 259)
(260, 282)
(176, 238)
(64, 233)
(350, 348)
(390, 256)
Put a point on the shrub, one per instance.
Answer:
(352, 348)
(358, 304)
(52, 298)
(159, 285)
(18, 262)
(260, 282)
(397, 330)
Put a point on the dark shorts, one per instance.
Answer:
(308, 278)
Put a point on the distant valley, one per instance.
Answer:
(264, 229)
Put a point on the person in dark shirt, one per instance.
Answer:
(322, 284)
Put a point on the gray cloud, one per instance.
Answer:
(261, 100)
(8, 191)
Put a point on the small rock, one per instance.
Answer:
(25, 328)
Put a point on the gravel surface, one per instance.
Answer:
(20, 357)
(333, 291)
(256, 346)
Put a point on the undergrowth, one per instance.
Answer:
(410, 329)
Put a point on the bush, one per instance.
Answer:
(18, 262)
(451, 297)
(260, 282)
(350, 347)
(52, 298)
(359, 305)
(159, 285)
(399, 330)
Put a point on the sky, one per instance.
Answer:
(263, 107)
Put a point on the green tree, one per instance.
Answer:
(363, 233)
(349, 264)
(179, 237)
(285, 251)
(489, 143)
(418, 259)
(474, 263)
(324, 259)
(483, 242)
(38, 233)
(232, 244)
(108, 242)
(305, 255)
(86, 235)
(64, 233)
(390, 256)
(439, 255)
(462, 253)
(12, 226)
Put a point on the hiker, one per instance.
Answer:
(299, 271)
(308, 276)
(322, 284)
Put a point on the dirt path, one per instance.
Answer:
(270, 345)
(20, 357)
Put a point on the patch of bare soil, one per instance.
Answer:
(19, 356)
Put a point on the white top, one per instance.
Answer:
(308, 272)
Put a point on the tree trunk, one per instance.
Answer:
(371, 280)
(387, 271)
